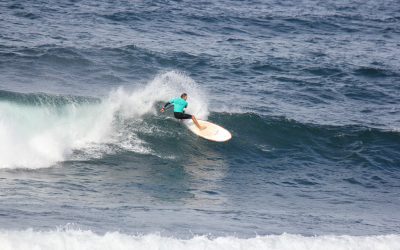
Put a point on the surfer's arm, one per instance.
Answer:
(166, 105)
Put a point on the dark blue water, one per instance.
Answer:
(310, 91)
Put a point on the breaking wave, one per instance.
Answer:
(39, 130)
(77, 240)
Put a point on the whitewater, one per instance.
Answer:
(81, 240)
(39, 131)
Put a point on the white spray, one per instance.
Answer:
(40, 136)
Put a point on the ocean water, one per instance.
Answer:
(310, 91)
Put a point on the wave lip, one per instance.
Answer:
(77, 240)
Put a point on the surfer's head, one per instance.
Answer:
(184, 96)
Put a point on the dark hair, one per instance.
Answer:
(183, 95)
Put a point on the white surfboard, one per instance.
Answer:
(212, 132)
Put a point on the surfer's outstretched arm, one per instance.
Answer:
(166, 105)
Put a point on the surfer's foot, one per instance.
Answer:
(202, 127)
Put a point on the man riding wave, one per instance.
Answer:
(179, 113)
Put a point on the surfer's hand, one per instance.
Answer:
(162, 110)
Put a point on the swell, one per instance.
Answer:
(47, 54)
(43, 99)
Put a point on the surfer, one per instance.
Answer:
(179, 105)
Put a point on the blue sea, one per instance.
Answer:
(309, 89)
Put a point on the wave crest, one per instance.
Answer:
(39, 130)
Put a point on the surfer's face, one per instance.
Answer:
(185, 97)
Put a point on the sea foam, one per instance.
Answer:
(85, 240)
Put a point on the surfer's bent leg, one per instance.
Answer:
(179, 115)
(197, 123)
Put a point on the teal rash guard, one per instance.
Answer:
(179, 104)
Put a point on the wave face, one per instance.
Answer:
(39, 130)
(77, 240)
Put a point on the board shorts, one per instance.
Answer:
(180, 115)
